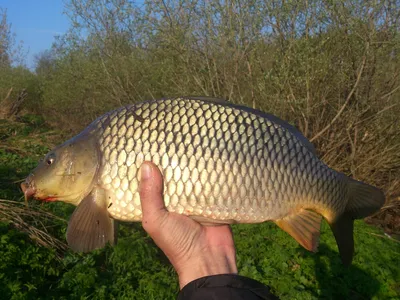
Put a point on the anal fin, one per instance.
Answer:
(304, 226)
(90, 226)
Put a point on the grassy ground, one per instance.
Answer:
(136, 269)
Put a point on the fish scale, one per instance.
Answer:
(215, 166)
(221, 163)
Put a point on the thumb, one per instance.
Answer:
(151, 196)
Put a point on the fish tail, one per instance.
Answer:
(363, 200)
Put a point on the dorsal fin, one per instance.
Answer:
(210, 99)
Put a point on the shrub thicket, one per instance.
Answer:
(330, 67)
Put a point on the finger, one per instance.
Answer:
(150, 190)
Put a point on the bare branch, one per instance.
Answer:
(360, 72)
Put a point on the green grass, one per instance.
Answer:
(136, 269)
(269, 255)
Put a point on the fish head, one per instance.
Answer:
(67, 173)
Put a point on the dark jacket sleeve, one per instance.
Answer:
(225, 286)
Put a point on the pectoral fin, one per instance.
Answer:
(90, 226)
(304, 227)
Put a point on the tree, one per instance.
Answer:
(6, 40)
(13, 75)
(45, 62)
(11, 51)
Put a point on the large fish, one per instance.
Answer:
(222, 164)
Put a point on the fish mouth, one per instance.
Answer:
(28, 189)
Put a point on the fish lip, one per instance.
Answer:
(28, 188)
(50, 199)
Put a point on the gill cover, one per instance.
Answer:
(67, 173)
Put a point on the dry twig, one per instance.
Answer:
(360, 72)
(31, 221)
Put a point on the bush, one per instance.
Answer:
(330, 68)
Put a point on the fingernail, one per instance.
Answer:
(145, 172)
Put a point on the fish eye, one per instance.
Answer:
(50, 159)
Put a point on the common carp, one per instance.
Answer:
(222, 163)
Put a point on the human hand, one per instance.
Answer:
(194, 250)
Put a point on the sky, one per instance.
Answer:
(36, 23)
